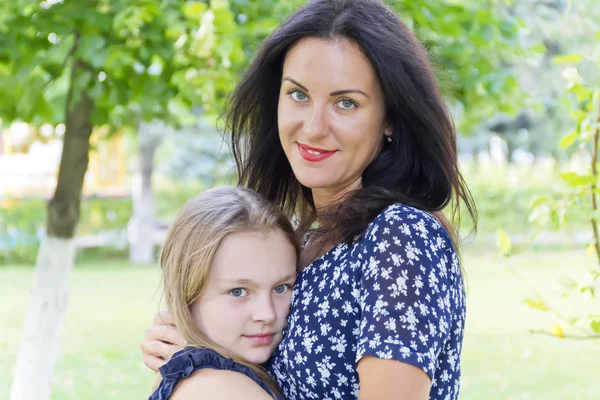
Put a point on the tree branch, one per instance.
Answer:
(565, 336)
(551, 309)
(67, 58)
(594, 163)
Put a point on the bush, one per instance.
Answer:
(22, 223)
(504, 195)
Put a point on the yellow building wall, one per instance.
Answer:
(106, 175)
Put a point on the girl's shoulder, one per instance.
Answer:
(218, 384)
(193, 369)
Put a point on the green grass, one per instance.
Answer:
(110, 307)
(112, 303)
(501, 359)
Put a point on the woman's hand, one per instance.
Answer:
(161, 340)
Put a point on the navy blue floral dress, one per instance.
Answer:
(186, 361)
(396, 293)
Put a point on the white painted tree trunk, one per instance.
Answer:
(141, 227)
(141, 235)
(40, 339)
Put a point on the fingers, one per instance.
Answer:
(161, 341)
(153, 362)
(163, 318)
(157, 353)
(165, 333)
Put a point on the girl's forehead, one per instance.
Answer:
(253, 256)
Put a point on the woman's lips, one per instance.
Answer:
(314, 154)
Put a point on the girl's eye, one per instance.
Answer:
(346, 104)
(281, 289)
(298, 96)
(238, 292)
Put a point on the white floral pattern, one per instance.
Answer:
(396, 293)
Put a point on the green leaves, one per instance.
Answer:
(568, 140)
(138, 57)
(194, 10)
(471, 42)
(575, 179)
(581, 189)
(200, 47)
(92, 50)
(538, 304)
(546, 211)
(568, 282)
(570, 59)
(504, 242)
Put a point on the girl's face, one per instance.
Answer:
(246, 299)
(331, 115)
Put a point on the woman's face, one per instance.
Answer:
(331, 115)
(246, 299)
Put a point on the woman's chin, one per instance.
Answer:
(313, 180)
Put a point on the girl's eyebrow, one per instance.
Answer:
(241, 281)
(336, 93)
(245, 281)
(288, 278)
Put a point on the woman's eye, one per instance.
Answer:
(238, 292)
(346, 104)
(298, 96)
(281, 289)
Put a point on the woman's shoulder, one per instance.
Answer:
(405, 235)
(192, 369)
(400, 219)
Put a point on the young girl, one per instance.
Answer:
(229, 265)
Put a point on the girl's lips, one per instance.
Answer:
(262, 339)
(314, 154)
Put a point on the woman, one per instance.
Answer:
(339, 120)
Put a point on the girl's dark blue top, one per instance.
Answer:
(187, 361)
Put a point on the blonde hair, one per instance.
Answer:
(190, 246)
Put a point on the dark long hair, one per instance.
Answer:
(418, 168)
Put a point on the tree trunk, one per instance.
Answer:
(41, 334)
(141, 246)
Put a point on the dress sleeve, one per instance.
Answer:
(409, 273)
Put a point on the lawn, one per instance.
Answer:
(112, 302)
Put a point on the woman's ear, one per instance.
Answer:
(387, 131)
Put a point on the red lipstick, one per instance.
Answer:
(314, 154)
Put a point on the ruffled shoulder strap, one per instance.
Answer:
(186, 361)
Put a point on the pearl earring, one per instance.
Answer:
(389, 138)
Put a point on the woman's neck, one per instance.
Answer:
(327, 198)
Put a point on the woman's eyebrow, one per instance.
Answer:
(336, 93)
(346, 91)
(295, 83)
